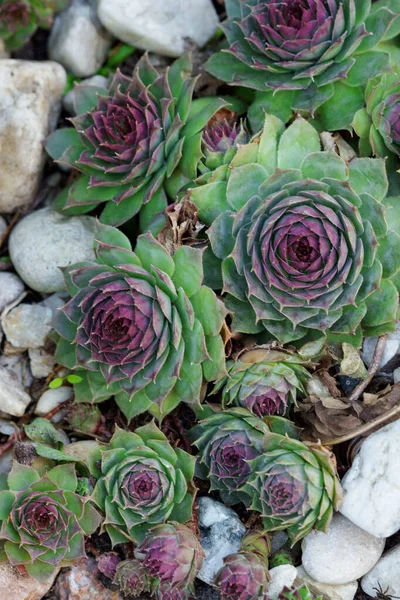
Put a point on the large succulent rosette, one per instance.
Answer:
(244, 576)
(295, 486)
(132, 142)
(143, 481)
(266, 381)
(171, 555)
(140, 326)
(378, 123)
(43, 519)
(302, 237)
(19, 19)
(227, 441)
(304, 50)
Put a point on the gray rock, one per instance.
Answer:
(42, 362)
(44, 242)
(11, 287)
(13, 398)
(343, 554)
(30, 103)
(17, 364)
(28, 325)
(385, 575)
(3, 225)
(82, 582)
(77, 40)
(221, 532)
(160, 26)
(69, 98)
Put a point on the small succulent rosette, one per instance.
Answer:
(142, 481)
(226, 441)
(244, 576)
(301, 238)
(134, 144)
(378, 123)
(171, 556)
(294, 485)
(19, 19)
(43, 519)
(131, 578)
(305, 56)
(301, 591)
(140, 326)
(266, 381)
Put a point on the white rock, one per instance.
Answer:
(42, 362)
(77, 39)
(392, 347)
(346, 591)
(17, 364)
(385, 574)
(30, 102)
(13, 398)
(281, 576)
(341, 555)
(372, 485)
(159, 26)
(23, 587)
(44, 241)
(221, 533)
(28, 325)
(11, 287)
(69, 98)
(50, 399)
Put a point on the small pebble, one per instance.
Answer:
(385, 574)
(28, 325)
(343, 554)
(50, 399)
(13, 398)
(392, 347)
(11, 287)
(221, 533)
(41, 362)
(282, 576)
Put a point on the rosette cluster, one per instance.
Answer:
(141, 326)
(143, 482)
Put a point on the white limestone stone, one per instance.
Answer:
(50, 399)
(30, 103)
(282, 576)
(13, 398)
(343, 554)
(345, 591)
(385, 574)
(44, 242)
(160, 26)
(78, 41)
(11, 287)
(372, 485)
(28, 325)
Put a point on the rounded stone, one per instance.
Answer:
(44, 242)
(50, 399)
(28, 325)
(343, 554)
(385, 576)
(10, 288)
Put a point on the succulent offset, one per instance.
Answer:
(244, 576)
(141, 326)
(129, 142)
(264, 380)
(302, 239)
(171, 556)
(227, 441)
(143, 482)
(294, 486)
(131, 578)
(378, 123)
(306, 54)
(299, 592)
(19, 19)
(43, 519)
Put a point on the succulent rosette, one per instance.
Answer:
(143, 482)
(302, 239)
(140, 326)
(227, 441)
(299, 592)
(43, 519)
(244, 576)
(19, 19)
(266, 381)
(294, 486)
(133, 142)
(131, 578)
(378, 123)
(171, 555)
(302, 54)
